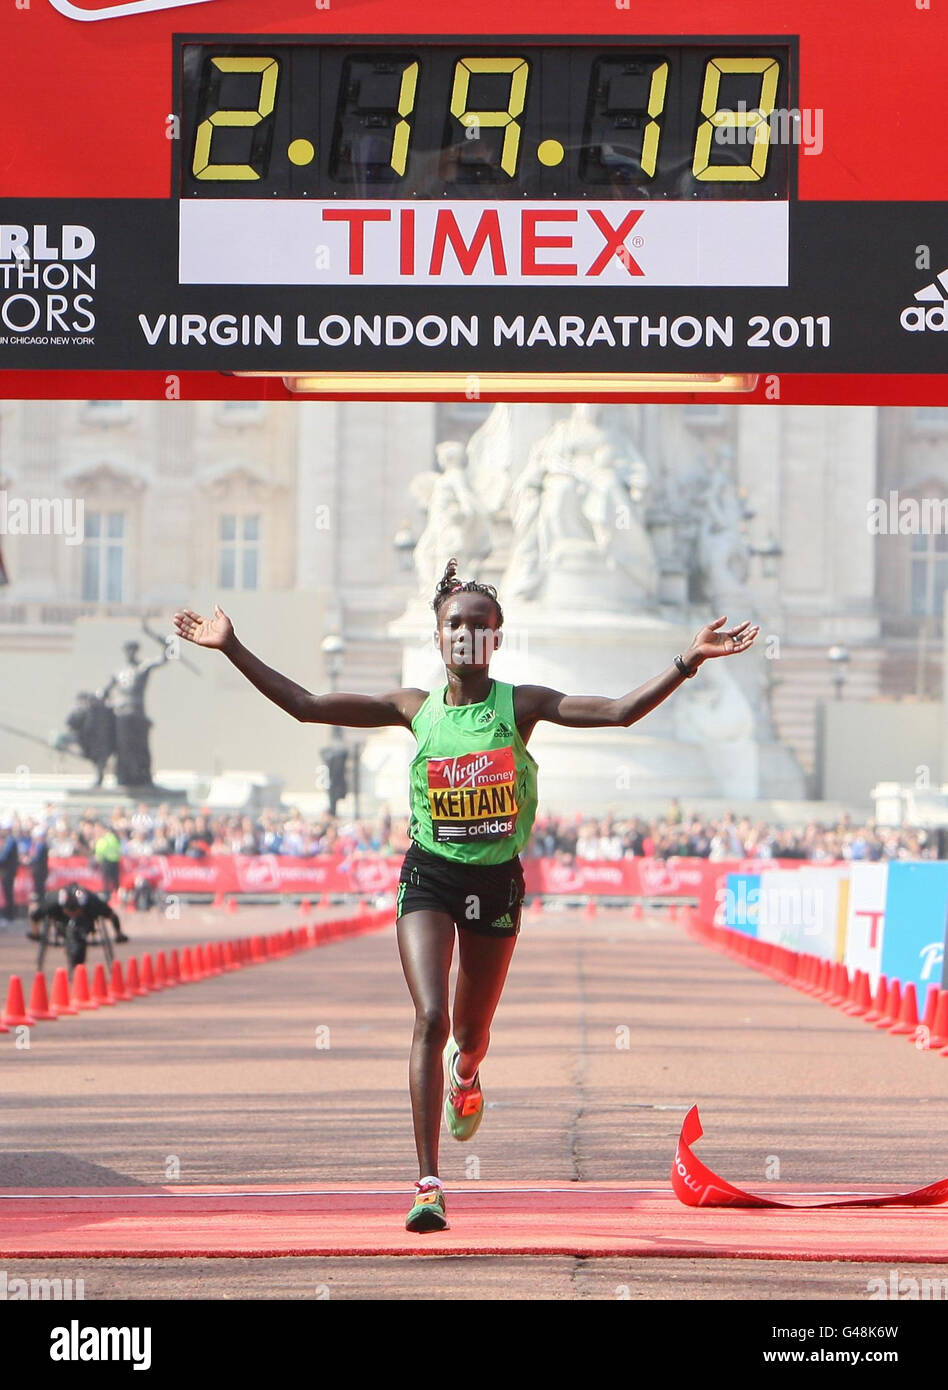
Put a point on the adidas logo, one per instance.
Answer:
(919, 317)
(505, 921)
(486, 716)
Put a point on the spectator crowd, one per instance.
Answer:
(165, 829)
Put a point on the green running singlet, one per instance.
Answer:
(473, 784)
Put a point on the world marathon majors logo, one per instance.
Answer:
(930, 311)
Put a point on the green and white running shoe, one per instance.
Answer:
(427, 1213)
(463, 1106)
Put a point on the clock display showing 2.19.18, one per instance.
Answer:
(404, 119)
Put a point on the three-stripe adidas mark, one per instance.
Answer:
(930, 310)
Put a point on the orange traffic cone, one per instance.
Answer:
(840, 995)
(61, 1001)
(939, 1037)
(931, 1007)
(39, 1000)
(100, 986)
(148, 975)
(231, 903)
(907, 1021)
(161, 970)
(174, 968)
(801, 979)
(822, 980)
(878, 1002)
(80, 989)
(187, 969)
(118, 989)
(219, 899)
(893, 1006)
(135, 985)
(861, 1002)
(304, 907)
(15, 1015)
(230, 959)
(536, 905)
(590, 908)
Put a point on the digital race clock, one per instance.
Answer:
(464, 119)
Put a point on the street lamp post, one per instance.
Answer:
(335, 754)
(404, 541)
(839, 656)
(769, 554)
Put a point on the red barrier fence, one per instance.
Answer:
(277, 874)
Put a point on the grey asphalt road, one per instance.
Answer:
(296, 1071)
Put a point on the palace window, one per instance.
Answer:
(103, 557)
(238, 551)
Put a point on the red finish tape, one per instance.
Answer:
(697, 1186)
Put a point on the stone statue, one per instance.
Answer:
(578, 505)
(491, 460)
(127, 690)
(90, 728)
(714, 712)
(723, 555)
(457, 523)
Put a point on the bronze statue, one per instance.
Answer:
(127, 689)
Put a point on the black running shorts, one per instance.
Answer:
(483, 898)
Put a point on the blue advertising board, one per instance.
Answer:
(913, 946)
(741, 903)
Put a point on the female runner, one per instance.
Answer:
(473, 794)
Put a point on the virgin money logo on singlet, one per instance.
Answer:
(473, 797)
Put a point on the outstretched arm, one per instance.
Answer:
(338, 707)
(536, 702)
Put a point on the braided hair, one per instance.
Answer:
(450, 584)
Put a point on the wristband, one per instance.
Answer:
(683, 668)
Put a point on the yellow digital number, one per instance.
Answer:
(406, 103)
(656, 104)
(518, 70)
(268, 70)
(768, 70)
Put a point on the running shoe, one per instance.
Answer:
(427, 1214)
(463, 1106)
